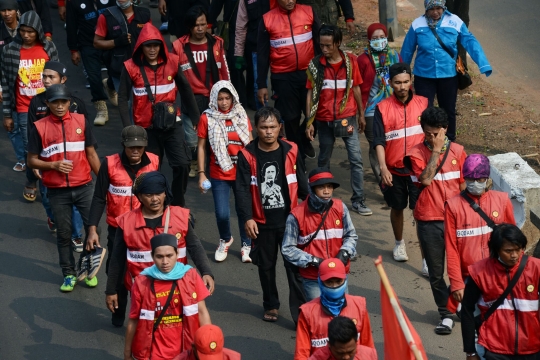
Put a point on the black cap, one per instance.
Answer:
(153, 41)
(56, 66)
(56, 92)
(134, 135)
(399, 68)
(164, 240)
(9, 5)
(321, 176)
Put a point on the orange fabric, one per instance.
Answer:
(395, 345)
(362, 353)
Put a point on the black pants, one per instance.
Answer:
(431, 237)
(173, 144)
(264, 252)
(492, 356)
(91, 58)
(446, 90)
(121, 292)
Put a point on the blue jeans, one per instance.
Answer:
(255, 87)
(76, 220)
(221, 191)
(312, 289)
(19, 135)
(354, 154)
(189, 132)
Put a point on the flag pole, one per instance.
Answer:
(397, 309)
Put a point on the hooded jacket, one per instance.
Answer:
(165, 80)
(11, 54)
(41, 7)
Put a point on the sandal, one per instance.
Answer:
(444, 327)
(271, 315)
(29, 193)
(19, 167)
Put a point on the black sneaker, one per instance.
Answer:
(95, 258)
(117, 319)
(82, 268)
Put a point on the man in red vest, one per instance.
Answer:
(317, 229)
(396, 129)
(466, 232)
(436, 165)
(131, 249)
(312, 329)
(286, 45)
(208, 345)
(167, 305)
(270, 178)
(113, 191)
(163, 72)
(61, 145)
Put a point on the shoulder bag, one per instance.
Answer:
(163, 113)
(464, 79)
(478, 209)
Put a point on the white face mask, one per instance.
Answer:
(475, 187)
(124, 5)
(379, 44)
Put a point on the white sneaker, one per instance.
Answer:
(245, 253)
(425, 271)
(221, 252)
(399, 252)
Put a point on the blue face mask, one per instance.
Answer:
(333, 298)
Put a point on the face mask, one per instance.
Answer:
(124, 5)
(475, 187)
(324, 201)
(378, 44)
(333, 298)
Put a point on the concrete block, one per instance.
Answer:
(511, 174)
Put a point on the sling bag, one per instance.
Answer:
(464, 79)
(408, 165)
(163, 113)
(324, 215)
(478, 209)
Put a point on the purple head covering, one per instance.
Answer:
(476, 166)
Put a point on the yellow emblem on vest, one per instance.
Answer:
(169, 77)
(530, 288)
(294, 167)
(338, 222)
(213, 345)
(454, 162)
(178, 235)
(170, 109)
(332, 264)
(495, 214)
(176, 301)
(419, 119)
(305, 27)
(355, 321)
(78, 131)
(194, 295)
(217, 53)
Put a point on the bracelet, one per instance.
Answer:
(200, 171)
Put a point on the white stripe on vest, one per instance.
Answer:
(146, 256)
(400, 133)
(451, 175)
(331, 84)
(521, 304)
(298, 39)
(474, 231)
(330, 234)
(146, 314)
(59, 148)
(159, 89)
(120, 190)
(317, 343)
(191, 309)
(291, 178)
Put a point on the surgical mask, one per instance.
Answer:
(378, 44)
(475, 187)
(124, 5)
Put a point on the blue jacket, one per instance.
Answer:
(431, 59)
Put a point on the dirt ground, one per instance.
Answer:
(489, 120)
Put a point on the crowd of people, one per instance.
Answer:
(189, 102)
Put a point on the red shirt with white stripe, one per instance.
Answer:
(334, 87)
(445, 185)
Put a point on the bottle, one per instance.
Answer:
(206, 186)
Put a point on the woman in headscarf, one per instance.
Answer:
(374, 63)
(226, 128)
(434, 68)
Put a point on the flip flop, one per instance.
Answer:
(29, 193)
(19, 167)
(271, 315)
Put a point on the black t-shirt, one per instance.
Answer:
(273, 187)
(154, 223)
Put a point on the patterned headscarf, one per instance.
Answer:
(476, 166)
(430, 4)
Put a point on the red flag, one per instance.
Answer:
(401, 339)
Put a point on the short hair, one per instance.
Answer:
(434, 117)
(341, 329)
(265, 113)
(508, 232)
(193, 14)
(333, 31)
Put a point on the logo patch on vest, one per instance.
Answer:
(495, 214)
(344, 122)
(355, 321)
(530, 288)
(454, 162)
(169, 77)
(338, 222)
(217, 53)
(78, 131)
(83, 6)
(176, 301)
(419, 119)
(213, 345)
(170, 109)
(194, 295)
(305, 27)
(331, 264)
(294, 167)
(178, 235)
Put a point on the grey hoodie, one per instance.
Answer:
(10, 59)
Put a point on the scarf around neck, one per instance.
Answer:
(381, 60)
(176, 273)
(445, 146)
(333, 299)
(217, 130)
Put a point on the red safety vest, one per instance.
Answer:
(328, 240)
(120, 200)
(290, 173)
(198, 87)
(402, 128)
(64, 139)
(291, 38)
(142, 341)
(333, 91)
(514, 327)
(137, 238)
(466, 234)
(445, 185)
(312, 331)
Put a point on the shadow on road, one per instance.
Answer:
(266, 349)
(60, 352)
(27, 269)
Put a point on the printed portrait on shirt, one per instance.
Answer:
(272, 196)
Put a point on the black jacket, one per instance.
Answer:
(81, 21)
(176, 13)
(41, 7)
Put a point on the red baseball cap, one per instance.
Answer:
(209, 342)
(332, 268)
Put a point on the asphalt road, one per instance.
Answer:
(40, 322)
